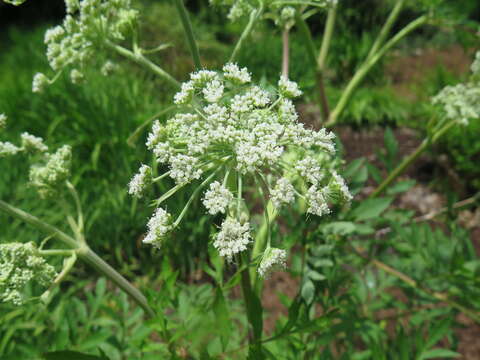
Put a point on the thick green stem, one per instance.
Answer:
(139, 59)
(367, 66)
(253, 307)
(187, 27)
(83, 252)
(254, 16)
(410, 159)
(386, 28)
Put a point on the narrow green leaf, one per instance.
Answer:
(71, 355)
(371, 208)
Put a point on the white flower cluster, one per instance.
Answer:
(228, 128)
(49, 175)
(461, 102)
(158, 227)
(33, 144)
(3, 121)
(20, 264)
(282, 193)
(140, 181)
(8, 149)
(217, 198)
(281, 13)
(89, 24)
(272, 258)
(233, 238)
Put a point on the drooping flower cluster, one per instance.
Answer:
(80, 40)
(20, 264)
(272, 258)
(140, 181)
(227, 129)
(282, 13)
(158, 226)
(461, 103)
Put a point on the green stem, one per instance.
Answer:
(315, 63)
(253, 307)
(411, 158)
(83, 252)
(285, 51)
(367, 66)
(139, 59)
(386, 28)
(327, 37)
(187, 27)
(254, 16)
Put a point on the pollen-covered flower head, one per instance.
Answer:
(81, 38)
(21, 264)
(226, 132)
(461, 103)
(281, 12)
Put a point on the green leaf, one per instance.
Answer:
(339, 228)
(71, 355)
(401, 187)
(323, 262)
(308, 291)
(439, 353)
(371, 208)
(391, 143)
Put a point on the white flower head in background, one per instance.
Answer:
(20, 264)
(3, 121)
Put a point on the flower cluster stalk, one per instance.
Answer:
(254, 17)
(83, 252)
(367, 66)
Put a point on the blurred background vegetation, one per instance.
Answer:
(96, 118)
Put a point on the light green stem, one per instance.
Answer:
(254, 16)
(83, 252)
(327, 37)
(187, 27)
(386, 28)
(139, 59)
(367, 66)
(411, 158)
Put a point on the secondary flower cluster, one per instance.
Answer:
(279, 11)
(19, 265)
(461, 102)
(89, 24)
(228, 132)
(48, 171)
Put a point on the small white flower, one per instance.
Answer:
(272, 258)
(283, 193)
(184, 168)
(8, 149)
(185, 94)
(158, 226)
(317, 203)
(140, 181)
(339, 185)
(310, 169)
(108, 68)
(40, 82)
(217, 198)
(476, 64)
(53, 34)
(213, 91)
(233, 73)
(76, 76)
(3, 121)
(233, 238)
(288, 88)
(33, 143)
